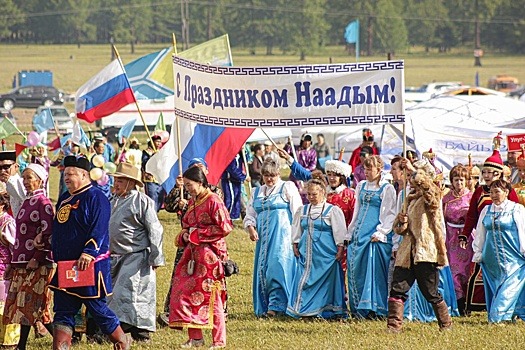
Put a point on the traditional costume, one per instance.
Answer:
(231, 181)
(81, 227)
(307, 158)
(270, 212)
(10, 333)
(368, 139)
(318, 281)
(197, 301)
(14, 185)
(422, 249)
(135, 236)
(367, 261)
(33, 221)
(481, 198)
(519, 186)
(499, 247)
(455, 207)
(152, 188)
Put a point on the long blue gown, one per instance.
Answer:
(367, 261)
(318, 282)
(274, 262)
(503, 267)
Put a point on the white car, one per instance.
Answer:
(427, 91)
(61, 116)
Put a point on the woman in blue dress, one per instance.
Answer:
(318, 234)
(499, 247)
(268, 221)
(370, 243)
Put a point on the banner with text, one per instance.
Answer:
(290, 96)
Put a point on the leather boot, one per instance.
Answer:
(442, 315)
(120, 340)
(395, 315)
(62, 337)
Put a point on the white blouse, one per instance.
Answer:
(335, 218)
(387, 212)
(290, 194)
(481, 232)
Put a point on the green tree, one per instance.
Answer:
(81, 28)
(304, 28)
(390, 29)
(12, 16)
(132, 21)
(425, 18)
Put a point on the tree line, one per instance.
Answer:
(290, 26)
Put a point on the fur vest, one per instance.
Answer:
(424, 239)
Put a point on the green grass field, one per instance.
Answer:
(72, 67)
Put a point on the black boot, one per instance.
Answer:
(461, 306)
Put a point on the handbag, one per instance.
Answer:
(230, 268)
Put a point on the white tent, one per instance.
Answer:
(456, 126)
(470, 111)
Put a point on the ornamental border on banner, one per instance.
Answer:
(194, 91)
(292, 122)
(301, 69)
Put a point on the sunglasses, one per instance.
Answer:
(6, 166)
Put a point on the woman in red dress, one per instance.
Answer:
(198, 291)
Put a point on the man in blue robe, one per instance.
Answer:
(81, 233)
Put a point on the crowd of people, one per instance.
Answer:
(337, 240)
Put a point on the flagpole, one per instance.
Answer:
(247, 172)
(135, 99)
(177, 121)
(17, 129)
(229, 48)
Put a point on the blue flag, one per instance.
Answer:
(352, 36)
(352, 32)
(126, 130)
(43, 121)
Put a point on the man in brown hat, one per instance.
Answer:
(135, 241)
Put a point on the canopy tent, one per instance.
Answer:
(456, 126)
(470, 111)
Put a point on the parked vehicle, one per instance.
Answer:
(503, 83)
(427, 91)
(31, 96)
(472, 90)
(61, 116)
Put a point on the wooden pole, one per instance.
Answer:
(136, 103)
(247, 172)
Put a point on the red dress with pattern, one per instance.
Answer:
(193, 292)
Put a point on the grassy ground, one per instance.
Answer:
(72, 67)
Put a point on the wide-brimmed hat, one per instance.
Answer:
(129, 171)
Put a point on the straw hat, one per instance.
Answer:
(129, 171)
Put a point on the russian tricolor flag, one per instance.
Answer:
(104, 94)
(216, 145)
